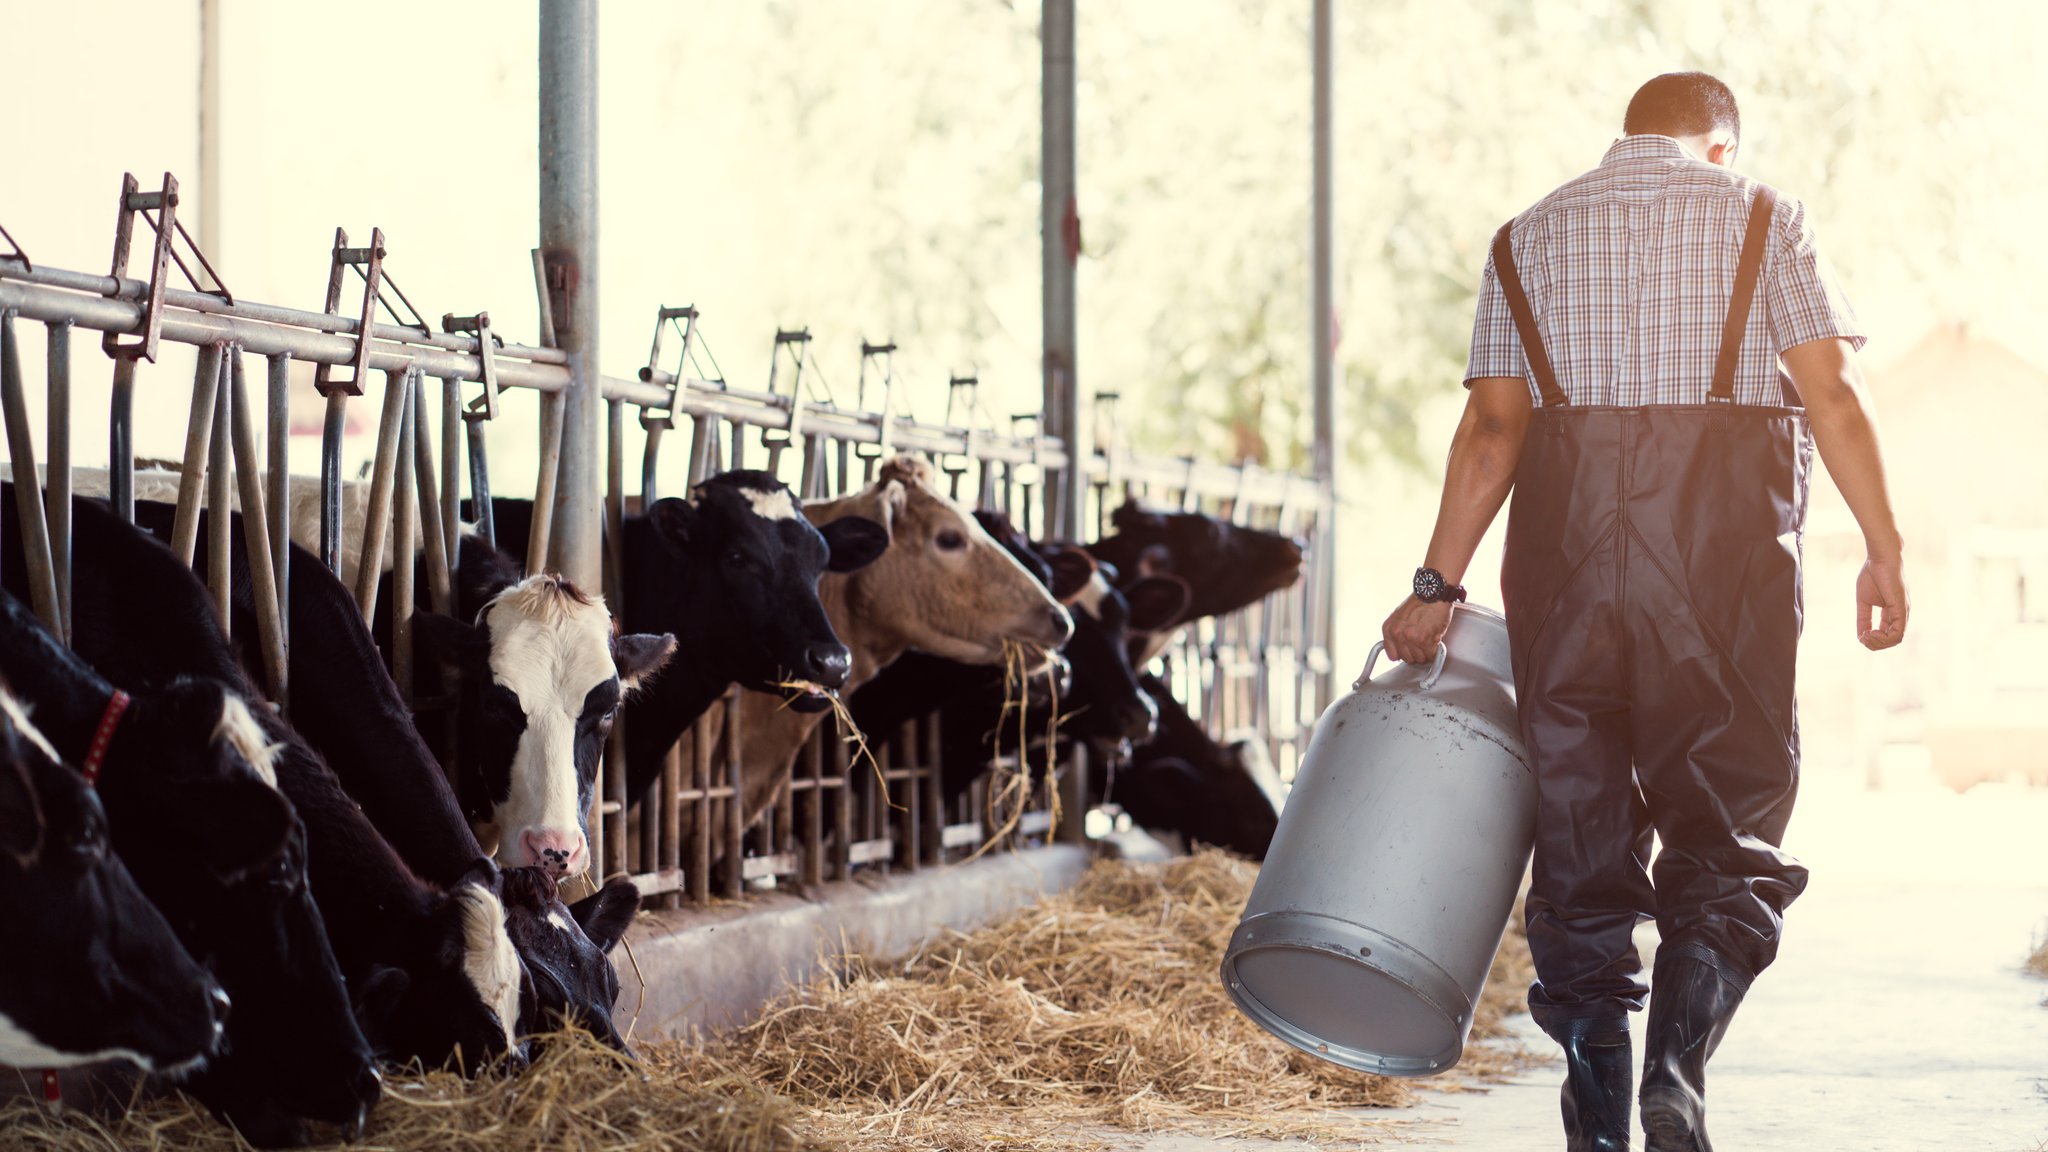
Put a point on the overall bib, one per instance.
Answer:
(1652, 588)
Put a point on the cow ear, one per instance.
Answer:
(1157, 602)
(673, 520)
(604, 917)
(248, 825)
(855, 541)
(639, 655)
(21, 815)
(908, 467)
(1072, 571)
(483, 872)
(1131, 516)
(375, 1001)
(1110, 572)
(449, 639)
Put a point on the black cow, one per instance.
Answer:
(732, 573)
(345, 705)
(432, 973)
(193, 810)
(1184, 781)
(567, 949)
(92, 972)
(1227, 566)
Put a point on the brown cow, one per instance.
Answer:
(943, 586)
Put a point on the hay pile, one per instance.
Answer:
(1094, 1010)
(578, 1095)
(1100, 1007)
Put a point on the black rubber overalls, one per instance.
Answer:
(1652, 588)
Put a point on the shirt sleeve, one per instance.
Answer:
(1496, 348)
(1805, 296)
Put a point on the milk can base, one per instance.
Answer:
(1345, 993)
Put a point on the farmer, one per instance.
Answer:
(1625, 383)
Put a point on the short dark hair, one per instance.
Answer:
(1682, 104)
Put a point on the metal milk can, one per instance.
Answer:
(1390, 881)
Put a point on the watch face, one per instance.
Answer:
(1429, 584)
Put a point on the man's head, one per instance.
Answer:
(1691, 107)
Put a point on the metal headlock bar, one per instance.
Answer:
(836, 814)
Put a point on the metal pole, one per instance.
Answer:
(1060, 244)
(568, 240)
(209, 127)
(57, 485)
(28, 501)
(121, 439)
(1323, 328)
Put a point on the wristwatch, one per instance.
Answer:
(1432, 588)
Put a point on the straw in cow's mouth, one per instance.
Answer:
(849, 732)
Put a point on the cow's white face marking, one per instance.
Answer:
(20, 1050)
(488, 959)
(772, 505)
(18, 716)
(239, 728)
(550, 649)
(1092, 595)
(555, 918)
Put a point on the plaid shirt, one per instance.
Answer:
(1629, 270)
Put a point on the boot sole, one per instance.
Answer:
(1668, 1124)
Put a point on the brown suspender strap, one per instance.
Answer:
(1747, 269)
(1525, 320)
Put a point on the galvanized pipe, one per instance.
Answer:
(404, 535)
(57, 485)
(121, 439)
(1323, 325)
(383, 473)
(569, 250)
(1060, 248)
(28, 503)
(440, 581)
(278, 508)
(541, 531)
(650, 459)
(198, 436)
(220, 466)
(480, 483)
(333, 432)
(614, 505)
(256, 528)
(451, 467)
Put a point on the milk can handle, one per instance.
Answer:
(1436, 669)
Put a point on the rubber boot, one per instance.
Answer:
(1599, 1075)
(1693, 996)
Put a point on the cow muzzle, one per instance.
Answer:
(553, 850)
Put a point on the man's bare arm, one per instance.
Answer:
(1837, 405)
(1484, 455)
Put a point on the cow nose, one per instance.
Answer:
(562, 853)
(828, 664)
(1062, 626)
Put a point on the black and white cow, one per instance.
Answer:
(348, 709)
(1227, 566)
(432, 971)
(1184, 781)
(732, 572)
(188, 787)
(92, 971)
(567, 949)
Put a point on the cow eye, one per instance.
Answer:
(951, 540)
(90, 845)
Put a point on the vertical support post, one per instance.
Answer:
(257, 542)
(383, 475)
(28, 504)
(568, 241)
(57, 486)
(278, 446)
(331, 434)
(440, 580)
(198, 436)
(220, 500)
(1060, 244)
(1323, 329)
(451, 469)
(405, 521)
(121, 439)
(210, 63)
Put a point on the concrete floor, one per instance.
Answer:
(1896, 1019)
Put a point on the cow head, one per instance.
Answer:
(457, 1000)
(741, 571)
(1106, 703)
(1229, 798)
(542, 679)
(566, 950)
(93, 972)
(1227, 566)
(943, 585)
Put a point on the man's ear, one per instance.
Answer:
(1157, 602)
(450, 640)
(605, 916)
(1072, 571)
(673, 521)
(639, 655)
(855, 541)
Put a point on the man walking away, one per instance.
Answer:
(1626, 384)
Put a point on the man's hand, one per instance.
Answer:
(1415, 629)
(1881, 586)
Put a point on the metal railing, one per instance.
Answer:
(1263, 671)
